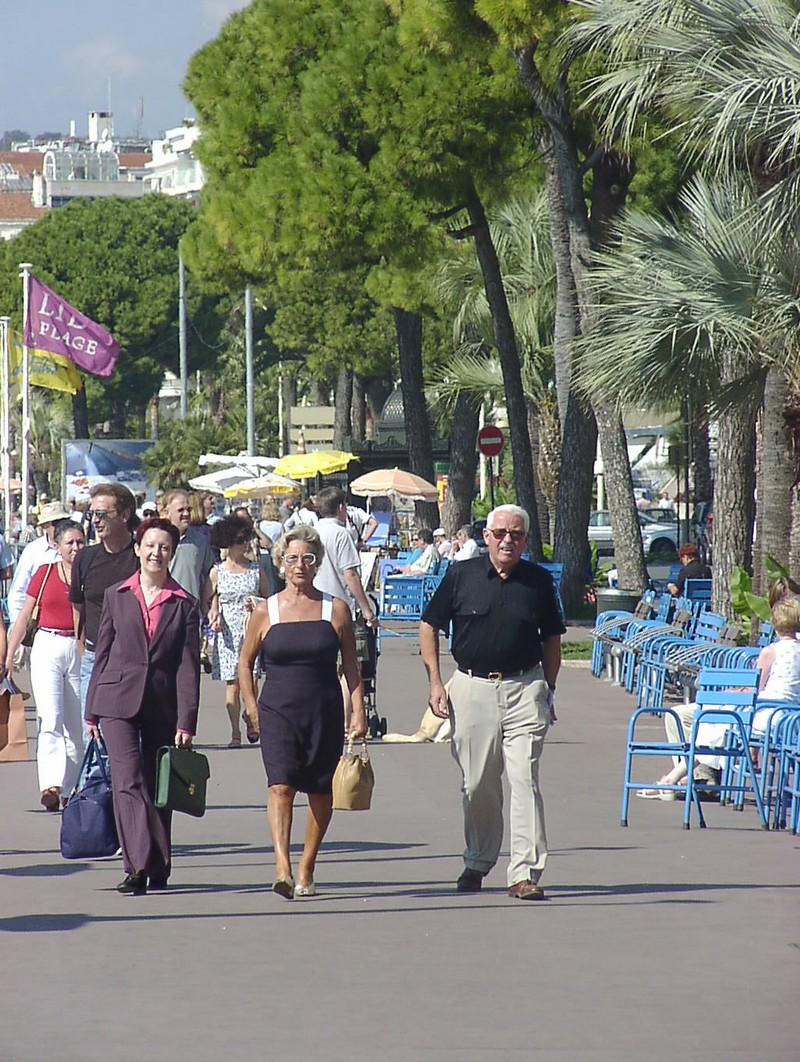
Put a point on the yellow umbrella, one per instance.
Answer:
(271, 483)
(394, 483)
(304, 466)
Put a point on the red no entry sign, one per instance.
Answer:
(491, 441)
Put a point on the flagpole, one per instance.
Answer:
(5, 425)
(25, 275)
(249, 373)
(184, 371)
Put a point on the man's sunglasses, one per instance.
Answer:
(499, 533)
(100, 514)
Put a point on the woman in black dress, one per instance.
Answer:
(300, 713)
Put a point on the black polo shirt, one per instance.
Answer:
(498, 624)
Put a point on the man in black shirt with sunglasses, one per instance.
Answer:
(506, 641)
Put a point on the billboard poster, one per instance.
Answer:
(86, 462)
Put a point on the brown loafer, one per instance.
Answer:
(526, 890)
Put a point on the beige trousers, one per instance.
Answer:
(497, 726)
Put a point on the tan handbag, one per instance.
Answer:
(353, 780)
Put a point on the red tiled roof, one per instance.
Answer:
(17, 206)
(24, 163)
(133, 159)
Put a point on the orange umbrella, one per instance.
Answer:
(394, 483)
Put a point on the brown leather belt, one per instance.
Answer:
(52, 630)
(496, 676)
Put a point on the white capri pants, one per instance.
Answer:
(56, 684)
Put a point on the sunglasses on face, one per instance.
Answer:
(499, 533)
(101, 514)
(307, 559)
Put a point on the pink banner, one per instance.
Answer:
(55, 326)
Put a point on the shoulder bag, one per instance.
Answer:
(181, 780)
(33, 619)
(88, 828)
(353, 779)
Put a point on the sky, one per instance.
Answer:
(58, 57)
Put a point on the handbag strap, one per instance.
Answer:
(35, 612)
(92, 756)
(351, 741)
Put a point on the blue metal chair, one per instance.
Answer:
(725, 696)
(556, 571)
(402, 601)
(715, 687)
(698, 590)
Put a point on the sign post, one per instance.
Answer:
(490, 443)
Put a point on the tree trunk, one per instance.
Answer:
(154, 418)
(542, 508)
(794, 551)
(342, 406)
(566, 315)
(376, 391)
(415, 409)
(776, 464)
(549, 468)
(358, 414)
(457, 509)
(141, 420)
(320, 393)
(574, 501)
(701, 454)
(80, 414)
(733, 495)
(506, 343)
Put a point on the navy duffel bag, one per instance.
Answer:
(88, 829)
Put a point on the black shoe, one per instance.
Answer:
(470, 880)
(158, 882)
(133, 885)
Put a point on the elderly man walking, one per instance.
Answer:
(507, 631)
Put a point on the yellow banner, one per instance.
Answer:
(45, 370)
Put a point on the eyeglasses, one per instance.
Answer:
(499, 533)
(100, 514)
(307, 559)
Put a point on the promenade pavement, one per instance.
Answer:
(654, 943)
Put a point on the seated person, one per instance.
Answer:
(779, 664)
(442, 542)
(427, 561)
(689, 556)
(467, 546)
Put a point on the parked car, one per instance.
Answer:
(657, 535)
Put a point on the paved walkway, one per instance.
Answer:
(654, 943)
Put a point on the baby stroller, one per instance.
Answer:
(368, 655)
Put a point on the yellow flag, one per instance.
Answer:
(45, 370)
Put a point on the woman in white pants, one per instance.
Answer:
(54, 667)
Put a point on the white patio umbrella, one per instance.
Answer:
(216, 482)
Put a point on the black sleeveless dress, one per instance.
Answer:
(300, 709)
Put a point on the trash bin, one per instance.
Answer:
(620, 599)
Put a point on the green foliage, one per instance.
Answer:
(116, 260)
(744, 602)
(502, 496)
(173, 460)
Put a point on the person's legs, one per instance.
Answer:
(477, 749)
(280, 807)
(232, 707)
(47, 687)
(526, 720)
(320, 810)
(685, 713)
(131, 800)
(156, 730)
(72, 715)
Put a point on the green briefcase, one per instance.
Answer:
(181, 779)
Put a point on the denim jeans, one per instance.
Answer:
(87, 665)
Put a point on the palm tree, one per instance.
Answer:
(727, 73)
(698, 304)
(519, 230)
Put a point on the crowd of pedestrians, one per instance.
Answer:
(120, 593)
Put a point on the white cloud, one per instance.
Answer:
(215, 12)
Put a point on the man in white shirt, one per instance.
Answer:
(305, 514)
(340, 571)
(41, 551)
(442, 542)
(467, 546)
(428, 561)
(360, 524)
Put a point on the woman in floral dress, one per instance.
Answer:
(237, 583)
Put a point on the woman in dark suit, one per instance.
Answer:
(144, 693)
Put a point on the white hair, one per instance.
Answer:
(511, 510)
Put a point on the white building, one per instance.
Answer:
(175, 169)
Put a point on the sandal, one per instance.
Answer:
(253, 733)
(235, 742)
(51, 798)
(284, 887)
(656, 794)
